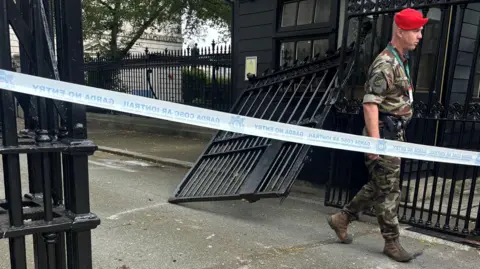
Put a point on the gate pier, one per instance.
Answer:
(55, 210)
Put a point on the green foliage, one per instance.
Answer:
(199, 88)
(113, 26)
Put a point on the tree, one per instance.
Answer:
(114, 26)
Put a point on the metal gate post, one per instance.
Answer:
(56, 211)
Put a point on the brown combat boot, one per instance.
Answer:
(394, 250)
(339, 223)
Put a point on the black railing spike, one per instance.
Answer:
(265, 72)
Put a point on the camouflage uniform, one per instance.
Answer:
(387, 87)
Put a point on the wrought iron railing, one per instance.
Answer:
(195, 76)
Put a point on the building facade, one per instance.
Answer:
(283, 31)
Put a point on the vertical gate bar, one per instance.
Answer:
(26, 68)
(444, 181)
(476, 230)
(462, 188)
(451, 72)
(418, 55)
(307, 107)
(79, 245)
(292, 114)
(346, 23)
(425, 131)
(441, 47)
(11, 162)
(356, 56)
(454, 53)
(349, 170)
(58, 160)
(470, 201)
(47, 122)
(78, 241)
(416, 185)
(324, 97)
(388, 25)
(443, 90)
(435, 90)
(289, 100)
(374, 35)
(466, 113)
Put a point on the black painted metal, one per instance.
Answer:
(237, 166)
(436, 196)
(194, 76)
(55, 210)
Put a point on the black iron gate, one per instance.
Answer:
(435, 196)
(56, 208)
(238, 166)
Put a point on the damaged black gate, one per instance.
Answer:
(239, 166)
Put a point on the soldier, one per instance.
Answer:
(387, 109)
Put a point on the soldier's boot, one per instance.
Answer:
(339, 223)
(394, 250)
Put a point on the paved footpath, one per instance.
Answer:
(140, 230)
(172, 150)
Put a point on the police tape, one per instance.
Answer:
(96, 97)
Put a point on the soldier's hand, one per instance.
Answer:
(373, 156)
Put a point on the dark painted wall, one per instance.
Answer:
(256, 33)
(254, 24)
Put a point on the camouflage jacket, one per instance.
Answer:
(387, 86)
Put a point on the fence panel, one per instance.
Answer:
(196, 76)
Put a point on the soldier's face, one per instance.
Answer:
(411, 38)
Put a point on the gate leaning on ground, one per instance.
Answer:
(56, 209)
(324, 93)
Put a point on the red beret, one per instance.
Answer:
(410, 19)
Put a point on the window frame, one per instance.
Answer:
(299, 39)
(322, 27)
(327, 30)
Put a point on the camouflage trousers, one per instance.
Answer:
(381, 192)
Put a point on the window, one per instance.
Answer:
(305, 28)
(303, 12)
(299, 50)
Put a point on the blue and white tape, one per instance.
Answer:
(164, 110)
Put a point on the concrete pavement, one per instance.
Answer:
(140, 229)
(154, 147)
